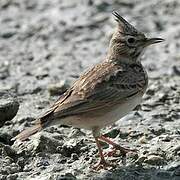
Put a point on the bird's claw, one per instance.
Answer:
(103, 165)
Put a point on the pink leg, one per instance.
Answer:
(102, 164)
(115, 146)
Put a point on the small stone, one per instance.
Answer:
(4, 72)
(141, 159)
(5, 138)
(74, 156)
(8, 108)
(166, 138)
(164, 174)
(176, 70)
(135, 134)
(132, 155)
(176, 149)
(58, 89)
(10, 169)
(173, 166)
(154, 160)
(8, 34)
(158, 130)
(3, 177)
(70, 147)
(42, 163)
(142, 140)
(12, 177)
(150, 92)
(67, 176)
(112, 133)
(45, 144)
(76, 133)
(7, 150)
(177, 171)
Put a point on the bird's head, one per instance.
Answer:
(127, 42)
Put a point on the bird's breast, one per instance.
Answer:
(103, 117)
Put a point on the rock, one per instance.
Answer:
(76, 133)
(10, 168)
(7, 34)
(58, 89)
(177, 172)
(143, 140)
(163, 174)
(7, 150)
(4, 71)
(8, 108)
(176, 70)
(113, 133)
(12, 176)
(70, 147)
(5, 138)
(154, 160)
(157, 130)
(45, 144)
(74, 156)
(67, 176)
(3, 177)
(141, 159)
(176, 149)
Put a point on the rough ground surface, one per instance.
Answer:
(44, 46)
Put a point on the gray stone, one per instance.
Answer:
(177, 172)
(7, 150)
(154, 160)
(8, 108)
(44, 144)
(58, 89)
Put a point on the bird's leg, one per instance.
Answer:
(102, 163)
(115, 146)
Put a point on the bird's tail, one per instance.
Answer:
(28, 132)
(40, 123)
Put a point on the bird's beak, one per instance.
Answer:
(150, 41)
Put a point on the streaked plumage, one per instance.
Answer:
(106, 92)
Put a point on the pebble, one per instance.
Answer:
(45, 144)
(164, 174)
(157, 130)
(113, 133)
(177, 171)
(58, 89)
(74, 156)
(7, 150)
(142, 140)
(12, 177)
(154, 160)
(9, 107)
(176, 149)
(67, 176)
(141, 159)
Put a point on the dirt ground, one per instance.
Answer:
(44, 46)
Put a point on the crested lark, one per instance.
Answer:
(106, 92)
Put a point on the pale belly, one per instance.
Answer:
(107, 117)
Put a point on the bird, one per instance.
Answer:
(106, 92)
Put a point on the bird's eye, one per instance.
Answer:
(131, 40)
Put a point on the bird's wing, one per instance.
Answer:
(104, 85)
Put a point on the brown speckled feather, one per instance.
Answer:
(105, 84)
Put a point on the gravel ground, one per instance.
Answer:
(44, 46)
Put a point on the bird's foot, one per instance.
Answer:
(103, 165)
(123, 150)
(111, 153)
(116, 147)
